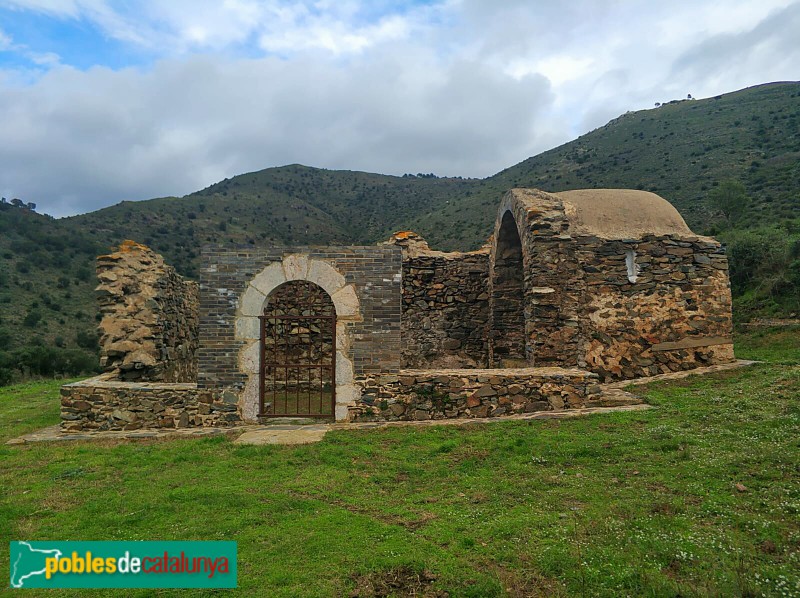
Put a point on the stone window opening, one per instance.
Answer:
(632, 266)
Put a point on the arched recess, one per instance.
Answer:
(297, 352)
(507, 338)
(247, 326)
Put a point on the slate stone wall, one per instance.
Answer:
(445, 310)
(103, 403)
(374, 339)
(445, 394)
(149, 325)
(621, 308)
(676, 315)
(553, 282)
(507, 337)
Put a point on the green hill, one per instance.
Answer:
(684, 150)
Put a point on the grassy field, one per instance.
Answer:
(637, 504)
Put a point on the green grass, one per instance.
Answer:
(775, 345)
(635, 503)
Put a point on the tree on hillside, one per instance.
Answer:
(731, 199)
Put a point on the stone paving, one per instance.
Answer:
(289, 431)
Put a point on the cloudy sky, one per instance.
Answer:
(105, 100)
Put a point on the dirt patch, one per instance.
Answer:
(423, 519)
(388, 518)
(397, 581)
(528, 583)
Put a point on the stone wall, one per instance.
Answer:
(553, 285)
(103, 403)
(445, 305)
(149, 325)
(471, 393)
(654, 305)
(620, 307)
(363, 282)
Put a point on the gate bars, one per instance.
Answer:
(301, 404)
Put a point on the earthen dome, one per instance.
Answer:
(614, 213)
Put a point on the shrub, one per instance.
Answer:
(32, 318)
(45, 361)
(87, 340)
(765, 266)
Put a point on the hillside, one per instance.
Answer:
(289, 205)
(682, 150)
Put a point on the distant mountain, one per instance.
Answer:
(682, 150)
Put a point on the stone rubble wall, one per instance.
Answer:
(675, 316)
(470, 393)
(553, 285)
(103, 403)
(582, 309)
(445, 305)
(149, 326)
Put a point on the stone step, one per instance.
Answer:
(614, 398)
(292, 421)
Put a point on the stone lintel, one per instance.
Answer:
(691, 343)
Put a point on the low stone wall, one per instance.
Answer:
(149, 326)
(445, 305)
(103, 403)
(471, 393)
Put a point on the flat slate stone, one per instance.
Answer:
(298, 435)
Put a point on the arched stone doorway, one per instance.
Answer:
(297, 267)
(507, 304)
(297, 352)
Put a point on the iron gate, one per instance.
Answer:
(298, 356)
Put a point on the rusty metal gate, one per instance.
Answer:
(298, 353)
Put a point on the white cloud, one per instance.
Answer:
(336, 38)
(462, 87)
(76, 141)
(5, 41)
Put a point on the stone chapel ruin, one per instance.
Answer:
(572, 289)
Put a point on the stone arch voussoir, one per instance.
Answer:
(251, 304)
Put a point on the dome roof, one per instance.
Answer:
(621, 214)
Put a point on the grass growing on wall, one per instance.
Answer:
(636, 503)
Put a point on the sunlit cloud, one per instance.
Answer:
(129, 100)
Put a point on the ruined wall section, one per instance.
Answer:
(620, 307)
(553, 284)
(149, 325)
(654, 305)
(507, 341)
(445, 301)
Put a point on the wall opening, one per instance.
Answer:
(507, 338)
(631, 265)
(297, 352)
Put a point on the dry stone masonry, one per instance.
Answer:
(615, 282)
(106, 404)
(149, 326)
(572, 289)
(469, 393)
(445, 305)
